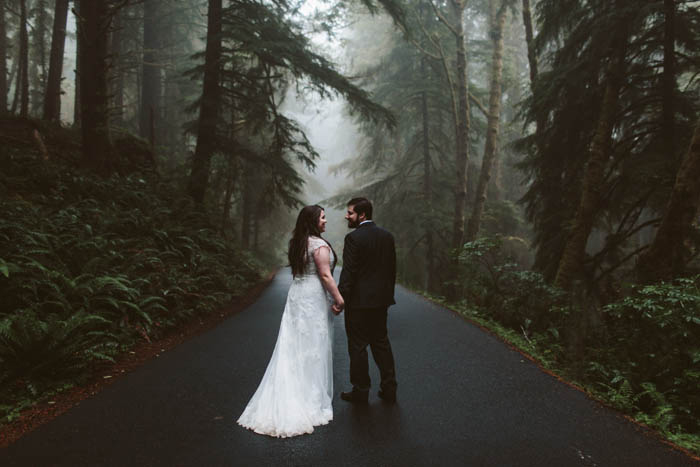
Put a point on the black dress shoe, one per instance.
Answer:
(387, 396)
(359, 397)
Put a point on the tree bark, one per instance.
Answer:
(15, 76)
(3, 60)
(76, 97)
(529, 38)
(37, 71)
(462, 127)
(150, 83)
(228, 195)
(209, 108)
(23, 60)
(571, 262)
(668, 79)
(427, 190)
(98, 151)
(493, 122)
(52, 98)
(117, 71)
(668, 253)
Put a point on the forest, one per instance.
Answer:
(538, 162)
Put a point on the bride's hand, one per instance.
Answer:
(338, 306)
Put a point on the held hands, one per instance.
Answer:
(338, 306)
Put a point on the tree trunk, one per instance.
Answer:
(117, 70)
(668, 79)
(15, 77)
(462, 127)
(3, 60)
(37, 72)
(98, 152)
(23, 60)
(76, 97)
(540, 122)
(529, 38)
(209, 108)
(493, 122)
(150, 83)
(52, 98)
(427, 191)
(667, 255)
(571, 262)
(230, 185)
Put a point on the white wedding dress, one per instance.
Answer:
(296, 391)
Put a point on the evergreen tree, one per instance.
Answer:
(566, 105)
(3, 60)
(264, 49)
(52, 97)
(93, 34)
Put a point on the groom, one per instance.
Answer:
(367, 286)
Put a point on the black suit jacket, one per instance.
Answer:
(369, 268)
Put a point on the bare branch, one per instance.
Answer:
(478, 103)
(621, 262)
(442, 19)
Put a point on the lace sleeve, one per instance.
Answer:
(315, 243)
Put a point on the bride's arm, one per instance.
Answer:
(322, 260)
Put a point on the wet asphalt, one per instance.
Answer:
(464, 399)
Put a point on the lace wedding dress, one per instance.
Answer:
(296, 391)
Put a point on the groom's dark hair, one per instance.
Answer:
(361, 206)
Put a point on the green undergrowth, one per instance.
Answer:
(639, 353)
(91, 266)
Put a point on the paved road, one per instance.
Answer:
(465, 399)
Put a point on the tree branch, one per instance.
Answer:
(621, 262)
(442, 19)
(478, 103)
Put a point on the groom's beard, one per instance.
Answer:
(353, 224)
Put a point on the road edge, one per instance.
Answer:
(46, 410)
(645, 429)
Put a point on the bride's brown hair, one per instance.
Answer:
(307, 225)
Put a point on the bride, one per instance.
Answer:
(296, 391)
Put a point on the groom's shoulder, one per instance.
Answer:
(384, 232)
(358, 233)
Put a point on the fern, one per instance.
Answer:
(35, 349)
(92, 265)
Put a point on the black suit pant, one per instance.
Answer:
(365, 327)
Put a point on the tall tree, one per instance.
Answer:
(427, 184)
(93, 34)
(118, 78)
(150, 82)
(3, 60)
(265, 51)
(494, 116)
(668, 113)
(37, 70)
(462, 122)
(571, 263)
(209, 105)
(78, 57)
(668, 253)
(458, 85)
(52, 97)
(566, 105)
(23, 76)
(529, 38)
